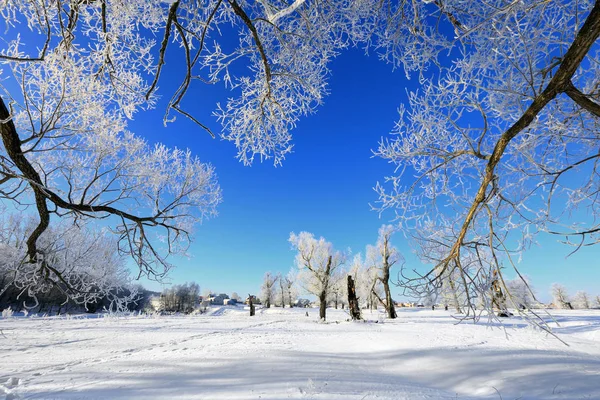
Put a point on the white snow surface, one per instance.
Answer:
(283, 354)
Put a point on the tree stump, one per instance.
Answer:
(251, 305)
(353, 301)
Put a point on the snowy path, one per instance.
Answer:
(282, 354)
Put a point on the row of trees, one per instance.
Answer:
(581, 300)
(180, 298)
(506, 113)
(279, 290)
(319, 271)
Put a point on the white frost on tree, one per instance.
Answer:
(560, 297)
(382, 257)
(66, 150)
(367, 285)
(338, 294)
(521, 293)
(500, 141)
(268, 289)
(84, 262)
(317, 262)
(290, 287)
(582, 300)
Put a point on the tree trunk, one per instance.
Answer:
(385, 279)
(323, 295)
(389, 302)
(323, 305)
(251, 305)
(353, 301)
(455, 295)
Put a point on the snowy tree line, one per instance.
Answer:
(581, 299)
(183, 298)
(506, 113)
(320, 271)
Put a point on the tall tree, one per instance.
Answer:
(582, 300)
(560, 296)
(382, 257)
(488, 147)
(353, 300)
(520, 293)
(281, 294)
(367, 285)
(317, 261)
(268, 289)
(290, 286)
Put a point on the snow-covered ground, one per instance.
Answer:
(282, 354)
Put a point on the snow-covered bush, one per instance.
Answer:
(7, 313)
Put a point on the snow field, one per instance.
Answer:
(282, 354)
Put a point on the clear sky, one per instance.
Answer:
(324, 187)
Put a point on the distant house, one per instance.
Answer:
(217, 299)
(230, 302)
(302, 303)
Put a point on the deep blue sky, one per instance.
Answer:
(324, 187)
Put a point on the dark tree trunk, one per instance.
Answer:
(322, 305)
(353, 301)
(251, 305)
(389, 302)
(323, 294)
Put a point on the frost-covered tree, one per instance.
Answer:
(382, 257)
(235, 296)
(367, 285)
(68, 155)
(520, 293)
(500, 141)
(280, 297)
(582, 300)
(268, 289)
(560, 296)
(83, 265)
(338, 294)
(180, 298)
(289, 282)
(317, 262)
